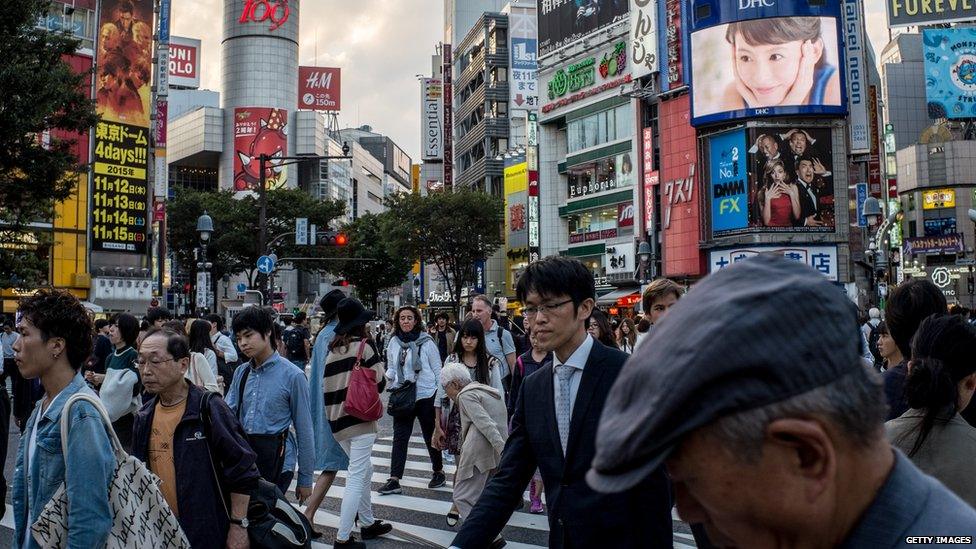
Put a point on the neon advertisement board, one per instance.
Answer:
(765, 58)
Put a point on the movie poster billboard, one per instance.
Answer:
(120, 188)
(728, 181)
(319, 88)
(950, 72)
(259, 131)
(791, 182)
(757, 61)
(563, 22)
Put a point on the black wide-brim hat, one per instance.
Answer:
(352, 315)
(331, 301)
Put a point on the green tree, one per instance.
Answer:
(382, 269)
(233, 247)
(450, 230)
(44, 102)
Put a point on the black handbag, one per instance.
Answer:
(273, 522)
(403, 398)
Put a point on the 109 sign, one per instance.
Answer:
(259, 11)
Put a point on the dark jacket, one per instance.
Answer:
(202, 514)
(578, 516)
(525, 366)
(894, 386)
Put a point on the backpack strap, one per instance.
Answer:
(208, 431)
(240, 392)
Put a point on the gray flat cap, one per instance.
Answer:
(755, 333)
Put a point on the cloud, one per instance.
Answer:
(379, 45)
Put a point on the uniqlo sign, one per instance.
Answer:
(184, 62)
(318, 88)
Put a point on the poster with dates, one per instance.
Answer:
(119, 188)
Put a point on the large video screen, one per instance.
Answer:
(563, 22)
(766, 67)
(771, 179)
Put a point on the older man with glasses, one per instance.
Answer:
(186, 436)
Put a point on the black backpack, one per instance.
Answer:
(294, 342)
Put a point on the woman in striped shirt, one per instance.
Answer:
(352, 344)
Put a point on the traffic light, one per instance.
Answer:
(341, 282)
(332, 238)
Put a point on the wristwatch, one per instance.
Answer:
(243, 523)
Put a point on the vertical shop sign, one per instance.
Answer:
(643, 37)
(673, 41)
(857, 99)
(120, 187)
(448, 120)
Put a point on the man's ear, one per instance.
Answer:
(809, 450)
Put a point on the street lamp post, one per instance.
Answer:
(205, 230)
(876, 249)
(644, 254)
(263, 196)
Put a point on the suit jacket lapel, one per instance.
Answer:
(549, 406)
(592, 374)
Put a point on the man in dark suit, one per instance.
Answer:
(554, 428)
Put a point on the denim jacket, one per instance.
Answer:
(87, 471)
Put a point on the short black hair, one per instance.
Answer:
(100, 323)
(177, 344)
(253, 318)
(443, 315)
(909, 304)
(144, 325)
(557, 275)
(57, 313)
(158, 313)
(128, 326)
(286, 320)
(299, 317)
(216, 320)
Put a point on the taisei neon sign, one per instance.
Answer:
(259, 11)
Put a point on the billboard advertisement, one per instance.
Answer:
(184, 62)
(673, 45)
(950, 72)
(857, 77)
(319, 88)
(766, 61)
(728, 182)
(523, 31)
(586, 77)
(562, 23)
(903, 13)
(791, 185)
(938, 198)
(120, 188)
(643, 37)
(259, 131)
(431, 107)
(680, 207)
(821, 258)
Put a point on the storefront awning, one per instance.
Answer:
(611, 298)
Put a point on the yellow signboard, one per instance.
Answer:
(938, 198)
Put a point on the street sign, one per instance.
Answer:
(265, 264)
(965, 261)
(203, 290)
(312, 236)
(241, 288)
(301, 231)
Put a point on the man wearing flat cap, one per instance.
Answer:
(771, 428)
(554, 427)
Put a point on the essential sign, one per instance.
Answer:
(431, 108)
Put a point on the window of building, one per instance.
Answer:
(600, 128)
(605, 174)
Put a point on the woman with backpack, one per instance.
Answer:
(352, 349)
(413, 369)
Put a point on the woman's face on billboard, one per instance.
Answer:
(767, 70)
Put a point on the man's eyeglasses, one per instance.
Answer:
(544, 309)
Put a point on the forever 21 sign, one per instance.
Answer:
(259, 11)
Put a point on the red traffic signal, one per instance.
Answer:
(333, 238)
(344, 283)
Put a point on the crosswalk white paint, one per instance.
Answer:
(421, 503)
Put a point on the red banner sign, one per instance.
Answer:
(318, 88)
(259, 131)
(182, 61)
(625, 214)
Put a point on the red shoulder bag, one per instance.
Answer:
(362, 396)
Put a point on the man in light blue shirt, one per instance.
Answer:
(269, 395)
(498, 340)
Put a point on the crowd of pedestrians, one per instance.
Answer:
(778, 415)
